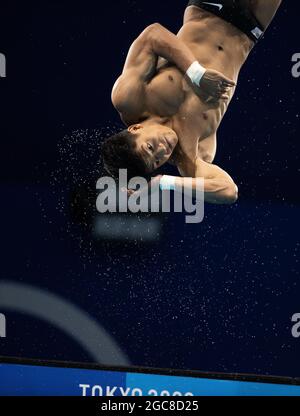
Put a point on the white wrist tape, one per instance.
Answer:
(196, 72)
(167, 183)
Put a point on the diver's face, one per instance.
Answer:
(155, 143)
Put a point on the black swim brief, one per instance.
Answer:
(236, 12)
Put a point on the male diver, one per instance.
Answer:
(175, 90)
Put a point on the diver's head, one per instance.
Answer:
(141, 149)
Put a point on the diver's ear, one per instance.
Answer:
(134, 128)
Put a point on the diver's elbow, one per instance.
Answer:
(231, 194)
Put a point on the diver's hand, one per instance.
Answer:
(216, 85)
(153, 183)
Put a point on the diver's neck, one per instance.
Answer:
(163, 121)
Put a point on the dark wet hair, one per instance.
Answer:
(119, 152)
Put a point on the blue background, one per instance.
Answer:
(218, 296)
(51, 381)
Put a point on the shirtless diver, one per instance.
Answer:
(175, 89)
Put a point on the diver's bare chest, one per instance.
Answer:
(169, 95)
(166, 93)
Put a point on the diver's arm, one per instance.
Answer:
(141, 64)
(154, 42)
(167, 45)
(219, 187)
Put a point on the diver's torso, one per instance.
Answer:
(217, 45)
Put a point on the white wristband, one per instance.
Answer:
(196, 72)
(167, 183)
